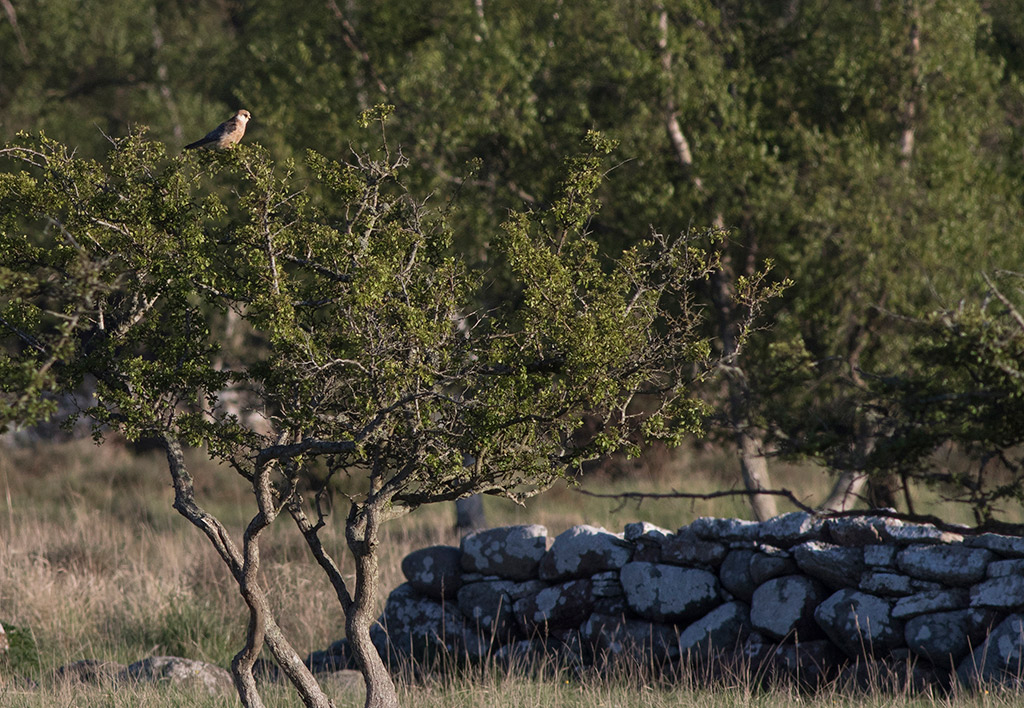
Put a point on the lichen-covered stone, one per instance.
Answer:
(770, 563)
(435, 571)
(880, 556)
(615, 636)
(721, 629)
(835, 566)
(418, 626)
(487, 606)
(951, 565)
(931, 601)
(183, 672)
(1005, 592)
(944, 638)
(583, 551)
(860, 624)
(1007, 546)
(556, 607)
(667, 593)
(885, 584)
(512, 552)
(1010, 566)
(1000, 657)
(790, 529)
(735, 576)
(726, 530)
(687, 548)
(784, 607)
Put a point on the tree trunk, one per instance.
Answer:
(287, 658)
(753, 465)
(361, 534)
(469, 514)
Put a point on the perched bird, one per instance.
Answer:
(224, 135)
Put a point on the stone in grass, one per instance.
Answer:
(89, 671)
(556, 607)
(419, 627)
(610, 636)
(784, 607)
(583, 551)
(487, 606)
(667, 593)
(512, 552)
(860, 624)
(1000, 658)
(944, 638)
(435, 571)
(722, 629)
(183, 672)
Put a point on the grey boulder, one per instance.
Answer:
(667, 593)
(784, 607)
(583, 551)
(860, 624)
(435, 571)
(512, 552)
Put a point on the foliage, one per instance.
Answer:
(967, 391)
(375, 359)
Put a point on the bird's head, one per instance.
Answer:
(243, 115)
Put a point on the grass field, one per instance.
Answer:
(94, 563)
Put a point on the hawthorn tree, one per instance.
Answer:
(371, 356)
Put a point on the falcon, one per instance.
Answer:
(224, 135)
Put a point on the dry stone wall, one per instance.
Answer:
(796, 595)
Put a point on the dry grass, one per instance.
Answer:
(94, 563)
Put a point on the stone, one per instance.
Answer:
(1005, 592)
(943, 638)
(688, 549)
(859, 530)
(435, 571)
(1008, 546)
(487, 606)
(835, 566)
(615, 636)
(1001, 568)
(724, 628)
(770, 563)
(583, 551)
(90, 671)
(885, 584)
(643, 530)
(556, 607)
(860, 624)
(811, 664)
(646, 539)
(735, 576)
(667, 593)
(931, 601)
(607, 584)
(907, 534)
(338, 656)
(512, 552)
(950, 565)
(784, 607)
(790, 529)
(420, 627)
(182, 672)
(880, 556)
(893, 676)
(728, 530)
(999, 658)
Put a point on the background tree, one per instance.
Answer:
(377, 363)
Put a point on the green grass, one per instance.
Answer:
(95, 563)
